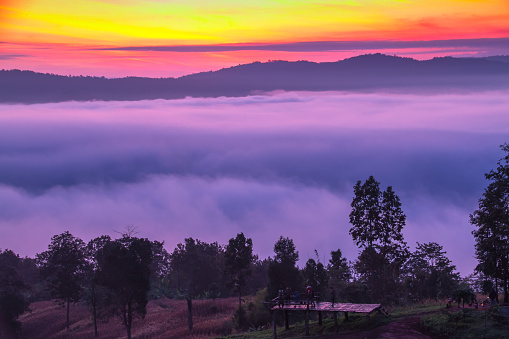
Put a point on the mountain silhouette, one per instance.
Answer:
(362, 73)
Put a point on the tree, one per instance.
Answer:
(283, 271)
(377, 218)
(430, 273)
(377, 222)
(195, 269)
(13, 302)
(315, 274)
(259, 278)
(339, 273)
(492, 222)
(124, 269)
(159, 270)
(237, 263)
(63, 266)
(95, 295)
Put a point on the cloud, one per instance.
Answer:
(324, 46)
(11, 56)
(265, 165)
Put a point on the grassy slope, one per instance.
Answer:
(168, 319)
(165, 319)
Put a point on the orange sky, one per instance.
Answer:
(77, 37)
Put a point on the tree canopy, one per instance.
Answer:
(63, 266)
(492, 225)
(377, 222)
(283, 271)
(124, 269)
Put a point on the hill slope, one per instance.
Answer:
(362, 73)
(165, 318)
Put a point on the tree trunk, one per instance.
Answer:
(240, 297)
(190, 313)
(129, 319)
(68, 302)
(94, 310)
(506, 297)
(496, 288)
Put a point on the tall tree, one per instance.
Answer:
(283, 271)
(63, 266)
(124, 269)
(492, 225)
(377, 222)
(13, 301)
(366, 214)
(237, 263)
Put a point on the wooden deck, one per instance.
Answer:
(327, 307)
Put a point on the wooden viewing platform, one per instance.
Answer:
(319, 307)
(327, 307)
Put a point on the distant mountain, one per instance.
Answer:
(363, 73)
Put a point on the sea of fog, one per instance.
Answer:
(269, 165)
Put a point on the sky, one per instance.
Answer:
(159, 38)
(284, 163)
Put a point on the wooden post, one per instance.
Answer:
(287, 323)
(320, 318)
(346, 316)
(367, 318)
(274, 324)
(307, 321)
(336, 325)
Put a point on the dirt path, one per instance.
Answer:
(403, 328)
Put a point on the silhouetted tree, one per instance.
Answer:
(13, 302)
(124, 269)
(238, 257)
(339, 274)
(315, 274)
(283, 271)
(195, 269)
(430, 273)
(95, 294)
(492, 222)
(63, 266)
(377, 222)
(159, 270)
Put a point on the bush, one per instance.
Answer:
(239, 318)
(258, 314)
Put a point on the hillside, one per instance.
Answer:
(165, 318)
(363, 73)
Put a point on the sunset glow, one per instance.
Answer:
(77, 37)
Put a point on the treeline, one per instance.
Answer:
(117, 277)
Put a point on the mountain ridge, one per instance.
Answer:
(369, 72)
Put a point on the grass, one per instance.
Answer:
(467, 323)
(356, 323)
(165, 318)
